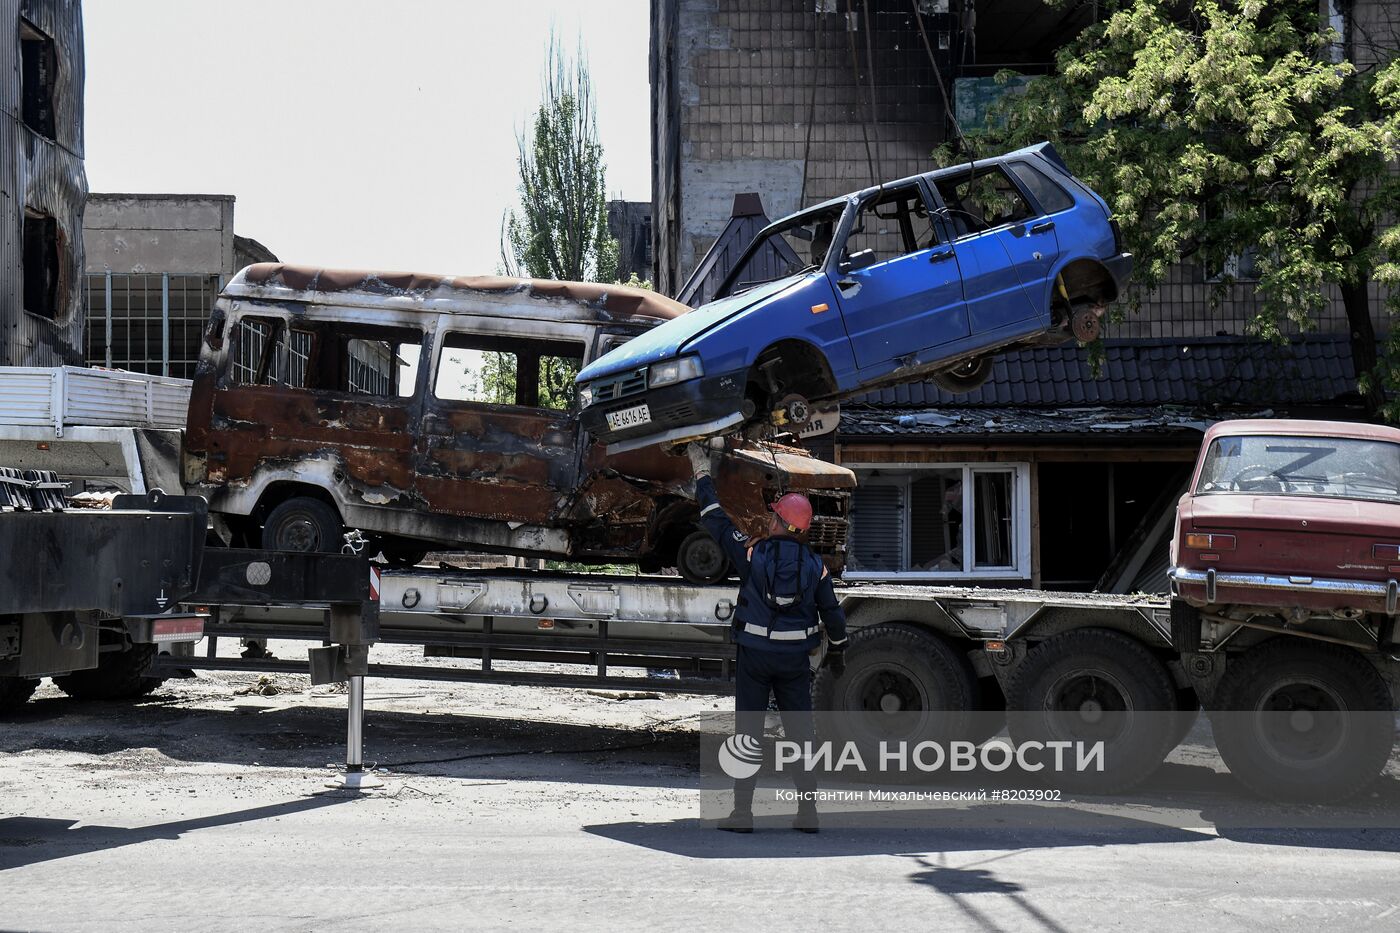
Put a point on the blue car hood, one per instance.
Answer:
(665, 340)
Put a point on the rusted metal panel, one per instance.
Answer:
(46, 175)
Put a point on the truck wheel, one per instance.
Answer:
(964, 377)
(15, 692)
(1303, 720)
(1095, 685)
(902, 684)
(403, 553)
(119, 675)
(303, 524)
(701, 560)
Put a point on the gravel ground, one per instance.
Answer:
(203, 807)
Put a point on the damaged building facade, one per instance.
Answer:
(41, 160)
(1052, 474)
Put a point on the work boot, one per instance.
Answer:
(806, 819)
(738, 821)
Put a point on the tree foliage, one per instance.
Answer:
(560, 230)
(1216, 127)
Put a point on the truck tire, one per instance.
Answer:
(119, 675)
(1329, 727)
(1094, 685)
(902, 683)
(701, 560)
(15, 692)
(303, 524)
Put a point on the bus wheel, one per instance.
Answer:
(303, 524)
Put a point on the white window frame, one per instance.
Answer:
(1020, 526)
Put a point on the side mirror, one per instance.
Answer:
(861, 260)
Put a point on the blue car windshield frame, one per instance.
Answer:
(795, 244)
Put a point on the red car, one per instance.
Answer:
(1301, 516)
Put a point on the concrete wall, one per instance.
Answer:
(184, 233)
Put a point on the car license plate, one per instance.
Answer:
(629, 417)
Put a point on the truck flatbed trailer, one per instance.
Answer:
(602, 622)
(1033, 660)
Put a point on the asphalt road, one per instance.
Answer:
(200, 809)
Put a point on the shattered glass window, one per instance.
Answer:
(939, 521)
(894, 224)
(935, 520)
(257, 356)
(798, 245)
(370, 368)
(556, 380)
(496, 370)
(994, 530)
(468, 374)
(981, 201)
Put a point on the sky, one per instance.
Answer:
(377, 135)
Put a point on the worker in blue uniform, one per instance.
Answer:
(784, 589)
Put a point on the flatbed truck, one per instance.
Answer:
(936, 651)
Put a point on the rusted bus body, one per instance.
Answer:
(45, 184)
(340, 386)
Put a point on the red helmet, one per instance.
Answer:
(795, 511)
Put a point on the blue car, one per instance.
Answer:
(926, 277)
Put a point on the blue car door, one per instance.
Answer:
(983, 210)
(897, 281)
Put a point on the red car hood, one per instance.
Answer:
(1310, 513)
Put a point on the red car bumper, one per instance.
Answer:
(1202, 588)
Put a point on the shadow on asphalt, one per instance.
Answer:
(972, 829)
(27, 840)
(310, 737)
(888, 832)
(457, 746)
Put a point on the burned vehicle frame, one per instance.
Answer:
(428, 411)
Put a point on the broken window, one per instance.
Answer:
(257, 356)
(982, 200)
(935, 515)
(894, 224)
(799, 244)
(913, 522)
(41, 265)
(993, 533)
(508, 371)
(38, 74)
(326, 356)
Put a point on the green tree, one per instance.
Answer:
(560, 229)
(1213, 127)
